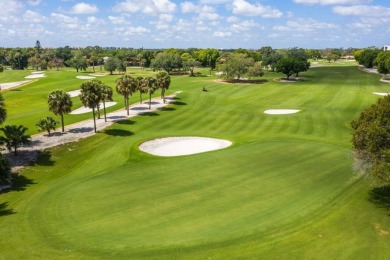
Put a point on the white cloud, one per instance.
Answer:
(152, 7)
(83, 8)
(309, 25)
(362, 10)
(33, 17)
(215, 1)
(10, 7)
(208, 16)
(221, 34)
(233, 19)
(34, 2)
(241, 7)
(333, 2)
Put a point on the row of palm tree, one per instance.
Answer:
(94, 93)
(128, 85)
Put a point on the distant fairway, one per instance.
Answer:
(284, 189)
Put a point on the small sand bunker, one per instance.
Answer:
(35, 76)
(4, 86)
(177, 146)
(37, 72)
(85, 77)
(83, 110)
(97, 75)
(74, 93)
(381, 93)
(280, 111)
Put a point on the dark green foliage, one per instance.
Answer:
(126, 86)
(47, 124)
(14, 137)
(91, 95)
(5, 170)
(111, 65)
(371, 141)
(78, 62)
(3, 111)
(60, 103)
(367, 57)
(382, 62)
(286, 66)
(167, 61)
(163, 80)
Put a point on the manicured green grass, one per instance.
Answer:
(27, 104)
(284, 189)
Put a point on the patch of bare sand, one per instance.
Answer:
(178, 146)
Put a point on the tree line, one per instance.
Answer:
(373, 57)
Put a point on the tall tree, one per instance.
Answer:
(111, 64)
(60, 103)
(90, 96)
(3, 111)
(47, 124)
(163, 80)
(286, 66)
(150, 84)
(5, 170)
(235, 65)
(14, 137)
(371, 141)
(140, 87)
(106, 95)
(382, 62)
(126, 86)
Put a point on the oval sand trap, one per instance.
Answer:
(176, 146)
(74, 93)
(381, 93)
(281, 111)
(35, 76)
(85, 77)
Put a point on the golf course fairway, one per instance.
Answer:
(284, 189)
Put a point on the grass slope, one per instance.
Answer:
(284, 189)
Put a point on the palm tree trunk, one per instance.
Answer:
(163, 94)
(94, 120)
(150, 101)
(127, 105)
(15, 150)
(140, 97)
(62, 122)
(104, 109)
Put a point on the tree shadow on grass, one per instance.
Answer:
(178, 103)
(149, 114)
(166, 109)
(44, 158)
(20, 183)
(381, 197)
(125, 122)
(81, 130)
(4, 211)
(118, 132)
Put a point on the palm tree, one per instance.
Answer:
(106, 95)
(90, 96)
(163, 80)
(126, 86)
(140, 87)
(5, 170)
(47, 124)
(14, 137)
(3, 111)
(60, 103)
(150, 84)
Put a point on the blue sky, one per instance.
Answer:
(201, 24)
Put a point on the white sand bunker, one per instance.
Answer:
(83, 110)
(35, 76)
(176, 146)
(280, 111)
(4, 86)
(381, 93)
(74, 93)
(85, 77)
